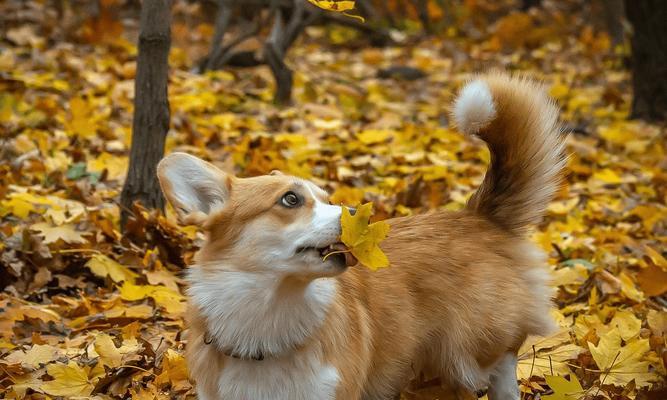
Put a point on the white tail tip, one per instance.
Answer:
(474, 108)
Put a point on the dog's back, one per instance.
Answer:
(465, 288)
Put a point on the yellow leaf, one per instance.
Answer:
(37, 355)
(107, 350)
(570, 275)
(656, 257)
(104, 266)
(559, 90)
(563, 207)
(22, 204)
(650, 215)
(585, 323)
(327, 124)
(607, 176)
(62, 211)
(138, 311)
(657, 321)
(22, 383)
(133, 292)
(5, 345)
(69, 381)
(18, 207)
(564, 389)
(169, 299)
(622, 364)
(172, 301)
(547, 362)
(81, 122)
(347, 195)
(629, 289)
(162, 277)
(372, 136)
(546, 355)
(628, 325)
(362, 238)
(116, 166)
(148, 393)
(618, 133)
(52, 234)
(174, 371)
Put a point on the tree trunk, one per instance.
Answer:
(274, 54)
(649, 58)
(528, 4)
(151, 109)
(614, 15)
(424, 17)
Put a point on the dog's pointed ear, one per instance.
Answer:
(194, 187)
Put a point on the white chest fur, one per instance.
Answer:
(251, 313)
(294, 378)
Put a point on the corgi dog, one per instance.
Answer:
(269, 318)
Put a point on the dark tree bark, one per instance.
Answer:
(288, 19)
(151, 109)
(649, 58)
(424, 17)
(528, 4)
(614, 15)
(274, 54)
(221, 25)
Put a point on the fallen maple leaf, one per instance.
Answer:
(657, 321)
(544, 362)
(169, 299)
(38, 354)
(628, 325)
(362, 238)
(52, 234)
(652, 280)
(629, 289)
(563, 389)
(107, 350)
(104, 266)
(69, 380)
(620, 365)
(372, 136)
(21, 384)
(174, 371)
(81, 123)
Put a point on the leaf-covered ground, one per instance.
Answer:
(86, 311)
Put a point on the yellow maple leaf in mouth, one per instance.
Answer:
(363, 238)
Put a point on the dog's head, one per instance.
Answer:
(274, 222)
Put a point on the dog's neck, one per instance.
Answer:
(252, 313)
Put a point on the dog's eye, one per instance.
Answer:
(290, 199)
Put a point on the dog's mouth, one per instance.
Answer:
(336, 252)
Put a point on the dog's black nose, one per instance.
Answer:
(352, 210)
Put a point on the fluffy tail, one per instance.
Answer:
(518, 121)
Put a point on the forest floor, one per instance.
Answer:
(86, 311)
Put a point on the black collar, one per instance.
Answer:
(230, 352)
